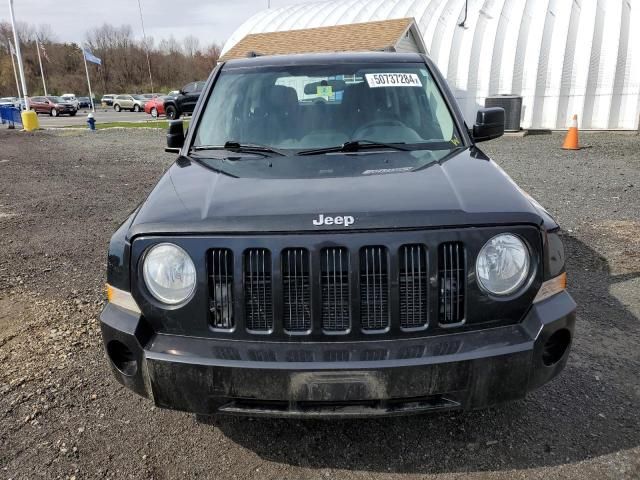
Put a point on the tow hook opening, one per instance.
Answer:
(122, 357)
(555, 347)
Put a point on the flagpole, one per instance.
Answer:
(86, 69)
(16, 41)
(44, 85)
(12, 52)
(146, 45)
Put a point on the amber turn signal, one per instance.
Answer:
(122, 299)
(551, 287)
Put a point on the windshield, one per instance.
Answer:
(314, 106)
(56, 99)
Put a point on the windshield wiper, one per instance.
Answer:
(354, 146)
(241, 147)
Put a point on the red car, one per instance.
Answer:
(155, 104)
(53, 106)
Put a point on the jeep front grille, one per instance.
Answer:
(296, 290)
(451, 283)
(257, 289)
(334, 285)
(414, 285)
(374, 288)
(393, 289)
(221, 288)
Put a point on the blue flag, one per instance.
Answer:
(90, 57)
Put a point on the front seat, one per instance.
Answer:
(283, 112)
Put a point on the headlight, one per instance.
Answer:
(502, 266)
(169, 273)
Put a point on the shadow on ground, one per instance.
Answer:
(589, 411)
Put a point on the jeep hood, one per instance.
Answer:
(467, 189)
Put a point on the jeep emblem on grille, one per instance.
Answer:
(345, 220)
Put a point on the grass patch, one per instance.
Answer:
(160, 124)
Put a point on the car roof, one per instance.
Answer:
(325, 59)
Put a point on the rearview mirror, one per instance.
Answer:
(489, 124)
(175, 136)
(336, 86)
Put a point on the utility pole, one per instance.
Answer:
(16, 42)
(146, 45)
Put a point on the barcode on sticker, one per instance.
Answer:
(393, 80)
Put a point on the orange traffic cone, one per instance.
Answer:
(571, 140)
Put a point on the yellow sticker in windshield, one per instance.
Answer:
(324, 90)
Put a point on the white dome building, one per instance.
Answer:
(563, 57)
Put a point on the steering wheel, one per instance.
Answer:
(378, 123)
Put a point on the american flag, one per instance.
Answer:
(44, 53)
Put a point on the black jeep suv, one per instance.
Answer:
(184, 102)
(331, 242)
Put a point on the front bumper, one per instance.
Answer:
(469, 370)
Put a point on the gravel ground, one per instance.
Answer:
(62, 415)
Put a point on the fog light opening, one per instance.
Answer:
(122, 358)
(556, 347)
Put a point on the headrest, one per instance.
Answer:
(282, 95)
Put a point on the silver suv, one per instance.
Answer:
(134, 103)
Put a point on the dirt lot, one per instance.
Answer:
(63, 416)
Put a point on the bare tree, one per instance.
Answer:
(191, 46)
(124, 66)
(45, 33)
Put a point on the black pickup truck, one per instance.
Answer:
(184, 102)
(332, 242)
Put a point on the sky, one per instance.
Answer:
(209, 20)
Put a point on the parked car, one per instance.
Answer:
(155, 106)
(84, 102)
(353, 258)
(107, 100)
(11, 102)
(71, 98)
(53, 106)
(185, 101)
(133, 103)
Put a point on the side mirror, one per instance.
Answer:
(489, 124)
(175, 136)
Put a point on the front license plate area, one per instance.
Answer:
(336, 386)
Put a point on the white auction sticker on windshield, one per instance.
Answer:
(393, 80)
